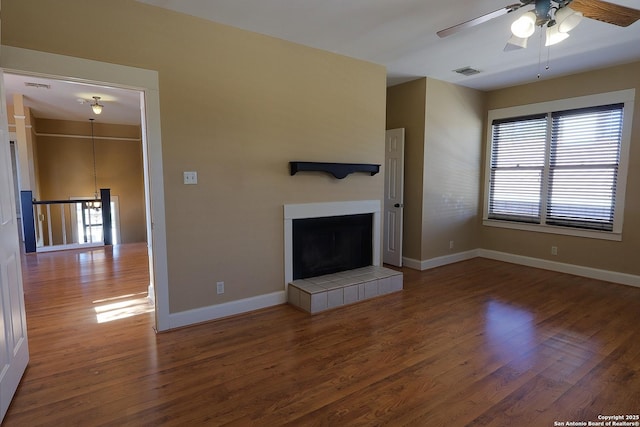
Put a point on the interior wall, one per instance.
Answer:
(444, 130)
(25, 137)
(406, 106)
(452, 169)
(602, 254)
(236, 107)
(66, 168)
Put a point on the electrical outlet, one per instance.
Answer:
(220, 287)
(450, 244)
(554, 250)
(190, 177)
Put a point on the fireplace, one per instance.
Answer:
(332, 244)
(332, 225)
(341, 266)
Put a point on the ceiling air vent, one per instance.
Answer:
(467, 71)
(37, 85)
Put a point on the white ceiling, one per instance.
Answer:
(399, 34)
(66, 100)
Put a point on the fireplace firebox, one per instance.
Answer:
(327, 245)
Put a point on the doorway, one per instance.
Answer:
(145, 83)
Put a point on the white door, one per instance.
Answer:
(393, 197)
(14, 350)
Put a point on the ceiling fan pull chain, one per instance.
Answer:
(540, 55)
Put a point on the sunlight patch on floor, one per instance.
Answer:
(126, 306)
(138, 294)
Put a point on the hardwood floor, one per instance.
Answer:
(479, 342)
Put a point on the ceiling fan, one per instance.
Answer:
(556, 15)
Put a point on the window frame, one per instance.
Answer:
(626, 97)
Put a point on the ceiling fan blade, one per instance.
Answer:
(481, 19)
(606, 12)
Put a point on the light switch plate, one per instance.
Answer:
(190, 177)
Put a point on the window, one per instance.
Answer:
(88, 222)
(559, 170)
(517, 166)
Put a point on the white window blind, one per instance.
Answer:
(517, 165)
(557, 169)
(583, 167)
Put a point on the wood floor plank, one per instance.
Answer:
(478, 342)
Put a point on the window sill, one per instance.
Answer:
(567, 231)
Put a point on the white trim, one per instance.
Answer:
(78, 70)
(69, 247)
(555, 229)
(104, 138)
(578, 270)
(439, 261)
(49, 65)
(319, 210)
(218, 311)
(13, 125)
(151, 294)
(626, 96)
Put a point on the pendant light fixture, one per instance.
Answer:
(96, 106)
(95, 204)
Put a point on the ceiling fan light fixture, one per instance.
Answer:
(554, 35)
(567, 19)
(96, 106)
(524, 26)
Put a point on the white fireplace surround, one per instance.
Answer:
(319, 210)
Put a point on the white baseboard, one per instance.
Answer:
(578, 270)
(439, 261)
(68, 247)
(213, 312)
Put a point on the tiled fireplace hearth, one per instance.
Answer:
(321, 293)
(339, 282)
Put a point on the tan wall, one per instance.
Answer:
(406, 105)
(615, 256)
(452, 159)
(444, 130)
(66, 168)
(236, 107)
(25, 137)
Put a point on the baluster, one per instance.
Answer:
(49, 225)
(64, 224)
(40, 236)
(89, 227)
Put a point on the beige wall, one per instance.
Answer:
(615, 256)
(406, 106)
(236, 107)
(444, 127)
(66, 168)
(452, 159)
(25, 137)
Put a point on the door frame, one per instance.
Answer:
(53, 66)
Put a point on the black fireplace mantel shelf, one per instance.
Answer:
(339, 170)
